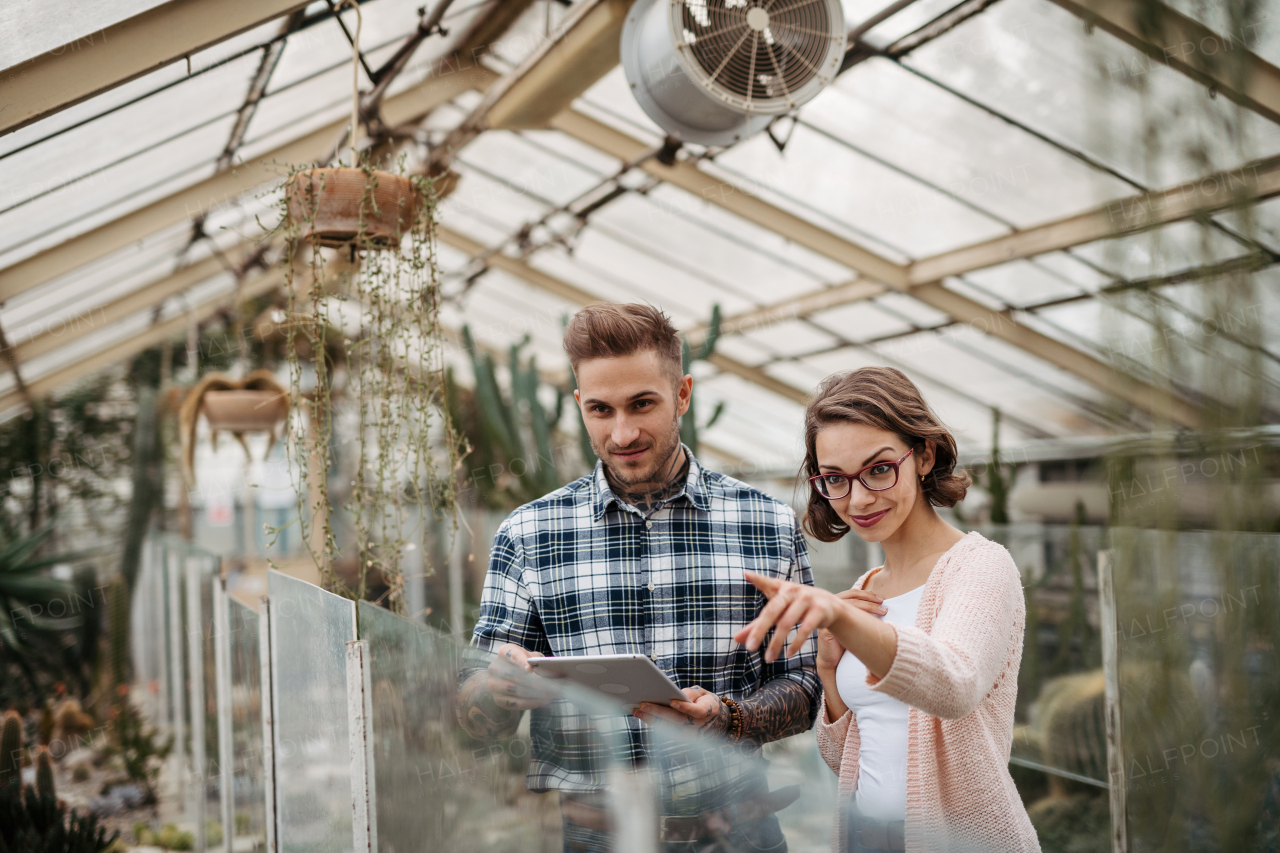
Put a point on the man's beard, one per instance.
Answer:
(666, 448)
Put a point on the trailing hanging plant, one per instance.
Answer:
(361, 244)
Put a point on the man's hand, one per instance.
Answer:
(512, 681)
(704, 712)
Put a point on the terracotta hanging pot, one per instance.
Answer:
(256, 403)
(243, 410)
(338, 206)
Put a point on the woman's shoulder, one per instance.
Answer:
(975, 552)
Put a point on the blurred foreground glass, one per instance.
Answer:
(436, 786)
(310, 629)
(1198, 615)
(248, 804)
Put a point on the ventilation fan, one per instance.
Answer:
(716, 71)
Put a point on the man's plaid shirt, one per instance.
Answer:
(581, 572)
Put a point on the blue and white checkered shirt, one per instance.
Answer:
(581, 572)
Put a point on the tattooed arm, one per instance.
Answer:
(490, 702)
(493, 693)
(781, 708)
(480, 715)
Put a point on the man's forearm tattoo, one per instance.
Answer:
(779, 709)
(717, 723)
(479, 715)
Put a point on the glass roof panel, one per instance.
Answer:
(526, 168)
(860, 321)
(32, 27)
(744, 350)
(1021, 283)
(153, 138)
(1033, 61)
(891, 114)
(187, 158)
(826, 183)
(1171, 248)
(1261, 33)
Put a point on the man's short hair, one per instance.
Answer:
(615, 329)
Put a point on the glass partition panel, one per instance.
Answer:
(148, 638)
(431, 779)
(203, 571)
(1197, 619)
(248, 807)
(441, 782)
(1059, 749)
(1059, 744)
(309, 632)
(180, 681)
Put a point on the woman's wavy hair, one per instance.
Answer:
(885, 398)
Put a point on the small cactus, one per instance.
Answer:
(11, 749)
(46, 723)
(44, 774)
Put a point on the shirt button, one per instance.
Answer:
(650, 586)
(653, 655)
(648, 525)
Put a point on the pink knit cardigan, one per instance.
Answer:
(957, 669)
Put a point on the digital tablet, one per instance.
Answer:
(629, 679)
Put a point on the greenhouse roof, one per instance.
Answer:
(1012, 201)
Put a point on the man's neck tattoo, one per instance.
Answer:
(647, 497)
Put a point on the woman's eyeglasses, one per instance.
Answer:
(877, 477)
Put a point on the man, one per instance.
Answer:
(645, 555)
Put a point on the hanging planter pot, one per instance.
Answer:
(256, 403)
(353, 206)
(376, 308)
(244, 410)
(341, 206)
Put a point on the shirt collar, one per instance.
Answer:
(695, 489)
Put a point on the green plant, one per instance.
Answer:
(11, 749)
(31, 821)
(26, 592)
(44, 773)
(689, 426)
(505, 426)
(137, 744)
(997, 485)
(169, 837)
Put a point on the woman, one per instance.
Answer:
(917, 711)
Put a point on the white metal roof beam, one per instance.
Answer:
(223, 187)
(1248, 184)
(1002, 325)
(121, 52)
(583, 49)
(1223, 63)
(572, 293)
(11, 400)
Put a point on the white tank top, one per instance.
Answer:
(882, 726)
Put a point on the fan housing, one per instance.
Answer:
(717, 71)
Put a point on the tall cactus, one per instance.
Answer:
(503, 418)
(11, 749)
(689, 427)
(44, 774)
